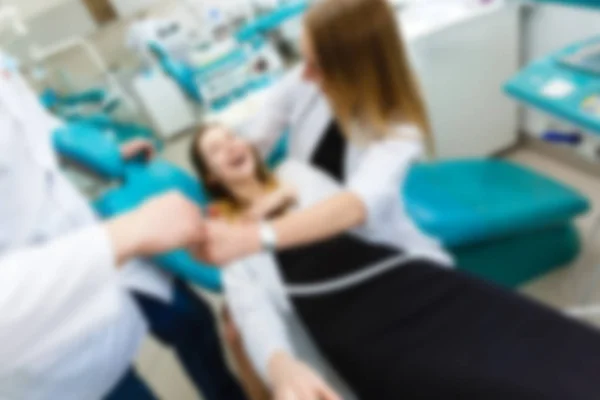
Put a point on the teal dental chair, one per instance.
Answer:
(502, 222)
(92, 110)
(135, 181)
(199, 84)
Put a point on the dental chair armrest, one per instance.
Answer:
(91, 148)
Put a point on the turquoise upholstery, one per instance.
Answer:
(473, 201)
(180, 72)
(143, 181)
(51, 98)
(90, 144)
(515, 260)
(85, 145)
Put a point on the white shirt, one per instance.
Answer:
(68, 330)
(66, 336)
(255, 291)
(375, 170)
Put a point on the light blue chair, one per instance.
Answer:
(136, 182)
(145, 180)
(528, 87)
(501, 221)
(99, 108)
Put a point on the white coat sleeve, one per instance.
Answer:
(42, 285)
(49, 123)
(381, 175)
(256, 316)
(266, 128)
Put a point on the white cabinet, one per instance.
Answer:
(462, 70)
(164, 103)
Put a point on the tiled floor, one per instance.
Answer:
(560, 289)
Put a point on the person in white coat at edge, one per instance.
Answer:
(411, 327)
(69, 326)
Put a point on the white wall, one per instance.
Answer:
(33, 7)
(553, 27)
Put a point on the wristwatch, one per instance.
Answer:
(268, 236)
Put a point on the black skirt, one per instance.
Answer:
(425, 332)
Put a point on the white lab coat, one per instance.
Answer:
(69, 328)
(259, 301)
(375, 170)
(375, 173)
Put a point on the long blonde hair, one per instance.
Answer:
(365, 67)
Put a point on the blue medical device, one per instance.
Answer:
(183, 74)
(222, 81)
(565, 84)
(136, 182)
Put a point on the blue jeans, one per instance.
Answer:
(188, 327)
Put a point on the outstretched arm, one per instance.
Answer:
(364, 202)
(266, 338)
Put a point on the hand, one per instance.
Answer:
(271, 205)
(293, 380)
(162, 224)
(137, 147)
(227, 242)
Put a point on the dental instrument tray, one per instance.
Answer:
(586, 60)
(565, 85)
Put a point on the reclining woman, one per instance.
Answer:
(380, 313)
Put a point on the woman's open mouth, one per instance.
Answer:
(238, 161)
